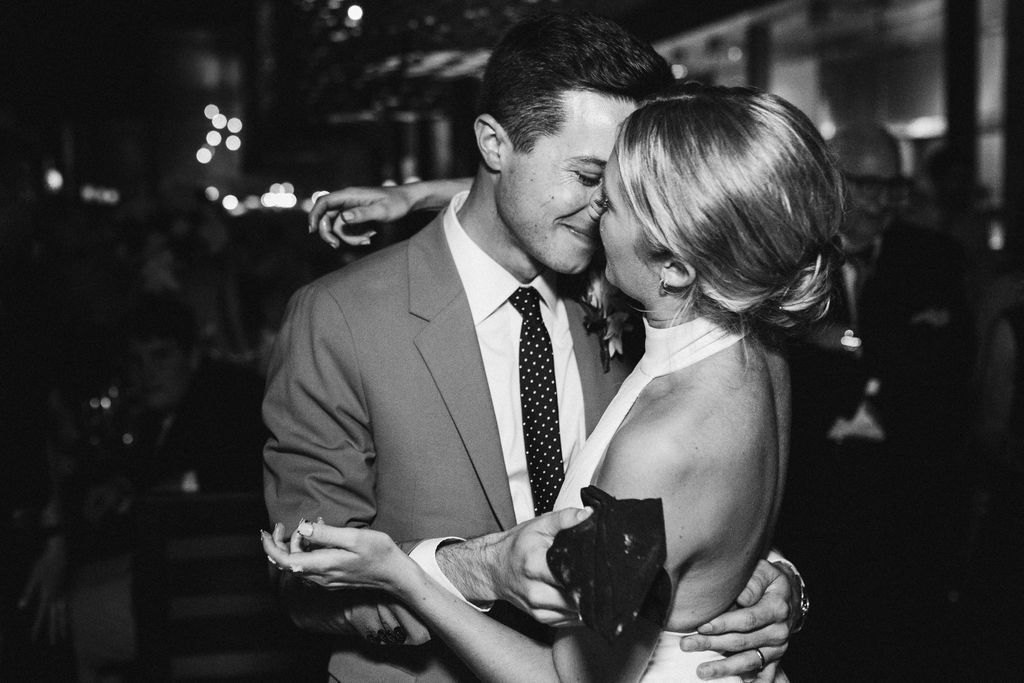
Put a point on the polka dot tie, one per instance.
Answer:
(539, 399)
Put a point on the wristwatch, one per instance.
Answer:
(805, 607)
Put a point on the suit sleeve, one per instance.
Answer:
(319, 458)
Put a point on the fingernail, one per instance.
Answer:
(705, 672)
(347, 216)
(271, 560)
(706, 629)
(688, 645)
(295, 568)
(305, 529)
(335, 245)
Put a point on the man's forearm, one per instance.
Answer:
(470, 566)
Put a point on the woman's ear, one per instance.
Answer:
(492, 141)
(676, 276)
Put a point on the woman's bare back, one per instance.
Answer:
(712, 441)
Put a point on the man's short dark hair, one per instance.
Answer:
(549, 54)
(161, 317)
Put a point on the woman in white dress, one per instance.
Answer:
(719, 216)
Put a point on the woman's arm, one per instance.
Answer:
(708, 470)
(361, 558)
(333, 211)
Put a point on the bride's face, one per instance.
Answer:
(627, 268)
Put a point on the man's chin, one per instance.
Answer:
(573, 265)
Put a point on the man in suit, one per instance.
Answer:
(878, 408)
(392, 394)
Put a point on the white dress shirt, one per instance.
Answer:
(488, 286)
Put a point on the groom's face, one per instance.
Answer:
(544, 195)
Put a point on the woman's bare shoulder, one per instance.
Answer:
(714, 422)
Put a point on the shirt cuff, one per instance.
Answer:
(425, 555)
(775, 556)
(805, 602)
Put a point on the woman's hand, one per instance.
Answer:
(333, 211)
(338, 557)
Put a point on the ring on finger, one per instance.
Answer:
(761, 656)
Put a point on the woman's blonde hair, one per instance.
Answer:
(739, 184)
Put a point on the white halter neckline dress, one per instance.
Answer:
(667, 349)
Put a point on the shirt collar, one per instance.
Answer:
(487, 284)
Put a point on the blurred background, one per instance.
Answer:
(159, 159)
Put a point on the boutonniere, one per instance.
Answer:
(606, 314)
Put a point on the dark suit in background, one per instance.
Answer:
(887, 509)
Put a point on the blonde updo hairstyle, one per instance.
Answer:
(740, 185)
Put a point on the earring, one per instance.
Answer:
(673, 290)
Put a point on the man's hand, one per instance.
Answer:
(45, 586)
(512, 566)
(767, 606)
(380, 620)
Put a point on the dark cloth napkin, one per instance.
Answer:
(613, 561)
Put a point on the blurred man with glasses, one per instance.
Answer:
(878, 405)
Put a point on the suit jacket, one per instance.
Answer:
(380, 416)
(916, 331)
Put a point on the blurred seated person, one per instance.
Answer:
(198, 424)
(192, 424)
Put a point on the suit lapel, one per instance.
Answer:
(451, 352)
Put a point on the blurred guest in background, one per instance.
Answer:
(198, 424)
(879, 397)
(32, 615)
(992, 596)
(178, 423)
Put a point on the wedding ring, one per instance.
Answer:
(763, 663)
